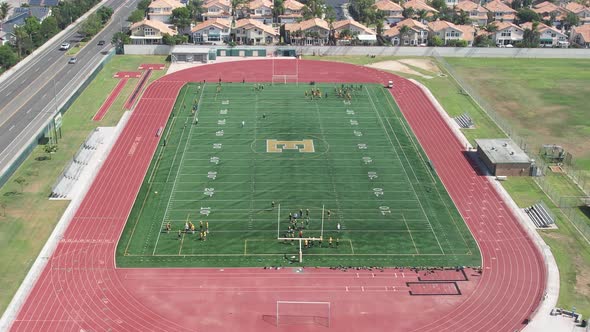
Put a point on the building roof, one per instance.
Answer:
(216, 22)
(219, 3)
(540, 28)
(342, 24)
(43, 3)
(162, 27)
(468, 32)
(39, 12)
(410, 23)
(498, 6)
(575, 7)
(304, 25)
(387, 5)
(504, 25)
(419, 5)
(260, 3)
(547, 8)
(583, 31)
(165, 4)
(502, 151)
(189, 49)
(442, 25)
(293, 5)
(469, 6)
(248, 23)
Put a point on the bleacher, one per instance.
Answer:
(464, 121)
(72, 172)
(540, 215)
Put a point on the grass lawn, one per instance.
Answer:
(571, 251)
(76, 48)
(545, 99)
(359, 161)
(27, 217)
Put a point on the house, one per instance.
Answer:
(507, 33)
(347, 31)
(581, 35)
(260, 10)
(416, 35)
(500, 12)
(18, 18)
(212, 31)
(392, 11)
(549, 36)
(451, 3)
(581, 11)
(217, 9)
(418, 5)
(448, 31)
(43, 3)
(149, 32)
(550, 12)
(161, 10)
(477, 14)
(253, 32)
(314, 31)
(293, 11)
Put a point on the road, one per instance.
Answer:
(31, 95)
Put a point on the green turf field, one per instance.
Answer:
(359, 160)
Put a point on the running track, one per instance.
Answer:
(80, 288)
(110, 100)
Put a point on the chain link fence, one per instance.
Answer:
(570, 206)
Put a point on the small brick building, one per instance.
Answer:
(503, 157)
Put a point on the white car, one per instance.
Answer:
(64, 47)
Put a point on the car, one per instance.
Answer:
(64, 47)
(72, 60)
(101, 42)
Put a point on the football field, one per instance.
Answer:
(346, 168)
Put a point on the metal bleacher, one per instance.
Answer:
(464, 121)
(540, 215)
(72, 172)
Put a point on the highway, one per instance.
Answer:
(31, 95)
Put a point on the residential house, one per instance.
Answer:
(260, 10)
(161, 10)
(18, 18)
(581, 11)
(293, 11)
(314, 31)
(507, 33)
(469, 33)
(549, 36)
(477, 14)
(253, 32)
(43, 3)
(213, 31)
(550, 12)
(500, 12)
(416, 35)
(149, 32)
(392, 11)
(217, 9)
(580, 35)
(448, 31)
(347, 31)
(418, 5)
(451, 3)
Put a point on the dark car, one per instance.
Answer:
(101, 42)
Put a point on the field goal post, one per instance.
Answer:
(303, 313)
(300, 239)
(280, 77)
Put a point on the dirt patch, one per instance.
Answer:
(425, 64)
(396, 66)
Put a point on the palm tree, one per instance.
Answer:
(422, 14)
(4, 8)
(235, 4)
(403, 32)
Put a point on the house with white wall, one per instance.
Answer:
(213, 31)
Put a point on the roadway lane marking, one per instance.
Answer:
(36, 70)
(11, 127)
(29, 111)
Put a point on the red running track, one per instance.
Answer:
(137, 91)
(81, 289)
(102, 111)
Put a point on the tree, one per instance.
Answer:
(4, 9)
(33, 29)
(436, 41)
(196, 9)
(235, 4)
(91, 26)
(439, 5)
(314, 8)
(22, 182)
(531, 38)
(50, 149)
(422, 14)
(49, 27)
(362, 10)
(104, 13)
(527, 15)
(120, 39)
(136, 16)
(7, 57)
(571, 20)
(491, 28)
(516, 4)
(462, 18)
(23, 41)
(181, 18)
(403, 33)
(483, 40)
(408, 12)
(143, 5)
(278, 9)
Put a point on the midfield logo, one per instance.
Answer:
(273, 145)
